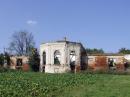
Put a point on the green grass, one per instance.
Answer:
(19, 84)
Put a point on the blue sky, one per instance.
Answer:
(95, 23)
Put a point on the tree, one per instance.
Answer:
(94, 51)
(4, 59)
(7, 58)
(22, 43)
(1, 60)
(124, 51)
(34, 60)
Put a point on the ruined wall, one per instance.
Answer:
(119, 62)
(77, 49)
(97, 62)
(80, 56)
(101, 62)
(65, 49)
(57, 69)
(50, 48)
(14, 61)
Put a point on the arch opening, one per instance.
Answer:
(57, 57)
(72, 60)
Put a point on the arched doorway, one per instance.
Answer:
(72, 60)
(57, 57)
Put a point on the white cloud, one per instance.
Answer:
(31, 22)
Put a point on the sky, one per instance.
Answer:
(95, 23)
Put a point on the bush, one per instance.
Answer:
(34, 60)
(3, 70)
(106, 72)
(1, 60)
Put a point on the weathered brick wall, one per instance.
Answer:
(14, 61)
(25, 67)
(101, 63)
(120, 67)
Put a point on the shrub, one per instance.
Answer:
(3, 70)
(34, 60)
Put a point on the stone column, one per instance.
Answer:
(41, 63)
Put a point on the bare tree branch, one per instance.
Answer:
(22, 43)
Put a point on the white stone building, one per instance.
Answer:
(62, 56)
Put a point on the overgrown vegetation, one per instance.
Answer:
(4, 59)
(34, 60)
(1, 60)
(30, 84)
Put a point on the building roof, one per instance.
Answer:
(62, 41)
(66, 41)
(107, 54)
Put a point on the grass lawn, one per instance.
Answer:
(19, 84)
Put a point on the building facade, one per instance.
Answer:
(62, 56)
(17, 62)
(66, 56)
(107, 62)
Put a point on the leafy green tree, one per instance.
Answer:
(34, 60)
(94, 51)
(124, 51)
